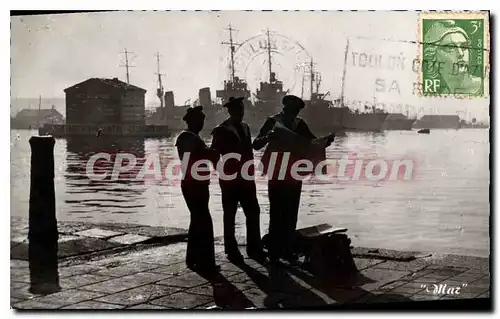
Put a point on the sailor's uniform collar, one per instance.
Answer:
(229, 125)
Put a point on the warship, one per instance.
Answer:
(368, 121)
(266, 100)
(167, 113)
(322, 115)
(234, 87)
(172, 114)
(214, 112)
(269, 94)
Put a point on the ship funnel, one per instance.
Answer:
(204, 97)
(169, 99)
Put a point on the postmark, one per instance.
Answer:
(454, 54)
(288, 57)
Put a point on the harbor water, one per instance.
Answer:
(443, 207)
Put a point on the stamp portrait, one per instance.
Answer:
(454, 52)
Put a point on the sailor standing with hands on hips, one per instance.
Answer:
(233, 137)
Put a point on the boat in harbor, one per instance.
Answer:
(320, 113)
(234, 86)
(167, 113)
(260, 105)
(365, 122)
(268, 97)
(371, 119)
(214, 112)
(172, 114)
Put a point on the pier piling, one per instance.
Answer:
(43, 234)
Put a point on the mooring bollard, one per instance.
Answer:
(43, 234)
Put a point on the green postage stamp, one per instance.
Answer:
(454, 54)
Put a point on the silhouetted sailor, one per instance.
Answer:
(233, 137)
(200, 254)
(285, 133)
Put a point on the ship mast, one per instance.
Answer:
(343, 74)
(311, 69)
(127, 65)
(302, 90)
(232, 45)
(269, 55)
(38, 115)
(317, 79)
(159, 91)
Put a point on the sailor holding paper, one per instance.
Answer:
(287, 137)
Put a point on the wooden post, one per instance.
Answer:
(43, 234)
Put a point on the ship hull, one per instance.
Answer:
(475, 126)
(365, 122)
(172, 117)
(435, 125)
(168, 116)
(323, 119)
(213, 117)
(399, 124)
(256, 114)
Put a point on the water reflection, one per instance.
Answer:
(83, 146)
(443, 208)
(122, 195)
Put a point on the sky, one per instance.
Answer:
(52, 52)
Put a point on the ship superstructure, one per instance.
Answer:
(370, 119)
(320, 113)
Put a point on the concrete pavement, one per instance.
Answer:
(157, 278)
